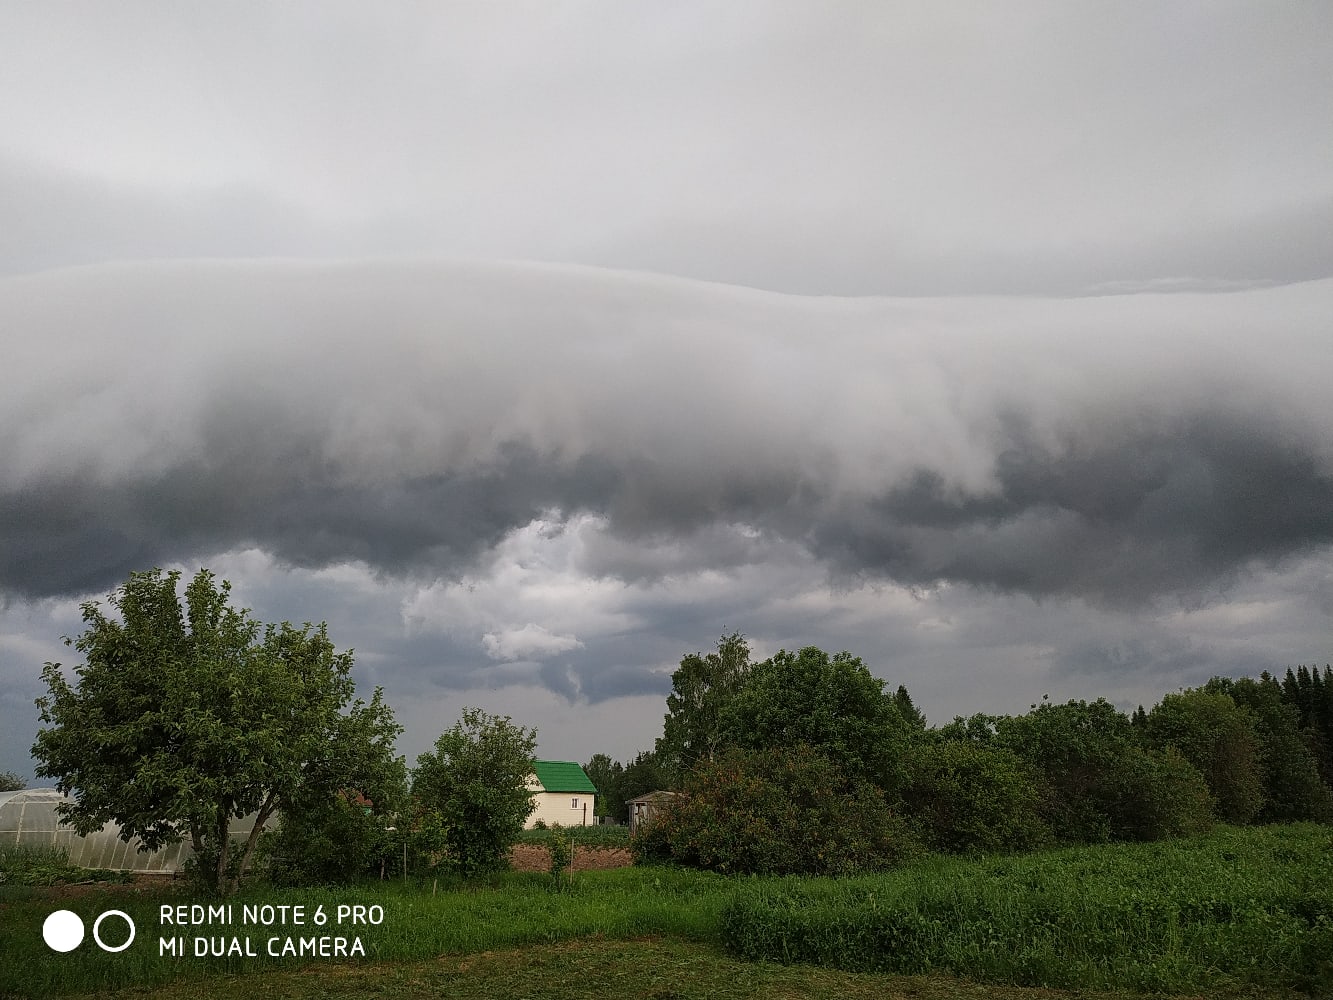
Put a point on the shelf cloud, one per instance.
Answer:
(410, 415)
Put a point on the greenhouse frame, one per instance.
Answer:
(28, 818)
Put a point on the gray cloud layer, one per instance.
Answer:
(531, 487)
(410, 415)
(851, 149)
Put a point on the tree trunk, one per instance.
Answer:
(221, 883)
(261, 818)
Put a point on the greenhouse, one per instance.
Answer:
(28, 817)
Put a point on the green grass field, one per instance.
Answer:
(1240, 912)
(1240, 907)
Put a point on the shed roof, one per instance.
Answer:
(563, 776)
(653, 797)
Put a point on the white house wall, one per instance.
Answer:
(560, 807)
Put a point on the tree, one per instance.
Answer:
(334, 830)
(1311, 694)
(11, 782)
(1293, 790)
(832, 703)
(1217, 736)
(702, 686)
(606, 774)
(1156, 794)
(643, 774)
(979, 728)
(477, 780)
(1100, 784)
(186, 717)
(618, 783)
(909, 712)
(1077, 747)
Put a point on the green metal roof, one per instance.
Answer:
(563, 776)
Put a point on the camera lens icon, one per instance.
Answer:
(63, 931)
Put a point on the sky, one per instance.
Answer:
(534, 346)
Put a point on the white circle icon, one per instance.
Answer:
(63, 930)
(97, 925)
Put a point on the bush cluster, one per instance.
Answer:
(779, 812)
(805, 763)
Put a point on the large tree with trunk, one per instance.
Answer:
(189, 715)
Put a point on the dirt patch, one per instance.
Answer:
(535, 858)
(139, 882)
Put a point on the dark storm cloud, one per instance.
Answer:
(411, 416)
(70, 535)
(1169, 506)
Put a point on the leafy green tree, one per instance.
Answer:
(1078, 748)
(1293, 790)
(832, 703)
(606, 774)
(701, 688)
(784, 811)
(966, 796)
(476, 780)
(644, 774)
(1155, 794)
(11, 782)
(1218, 737)
(329, 834)
(979, 728)
(185, 717)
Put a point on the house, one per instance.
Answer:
(563, 793)
(641, 809)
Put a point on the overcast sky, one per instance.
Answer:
(533, 346)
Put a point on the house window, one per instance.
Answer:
(574, 804)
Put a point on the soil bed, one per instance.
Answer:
(535, 858)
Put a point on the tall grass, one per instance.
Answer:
(33, 865)
(1248, 906)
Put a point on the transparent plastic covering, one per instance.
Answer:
(28, 817)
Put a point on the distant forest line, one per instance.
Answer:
(806, 763)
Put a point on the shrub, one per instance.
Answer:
(965, 796)
(22, 864)
(1158, 795)
(776, 812)
(561, 853)
(333, 841)
(476, 780)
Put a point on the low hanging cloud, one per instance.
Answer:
(531, 642)
(411, 416)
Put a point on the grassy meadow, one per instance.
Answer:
(1238, 912)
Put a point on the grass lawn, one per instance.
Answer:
(1240, 912)
(649, 969)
